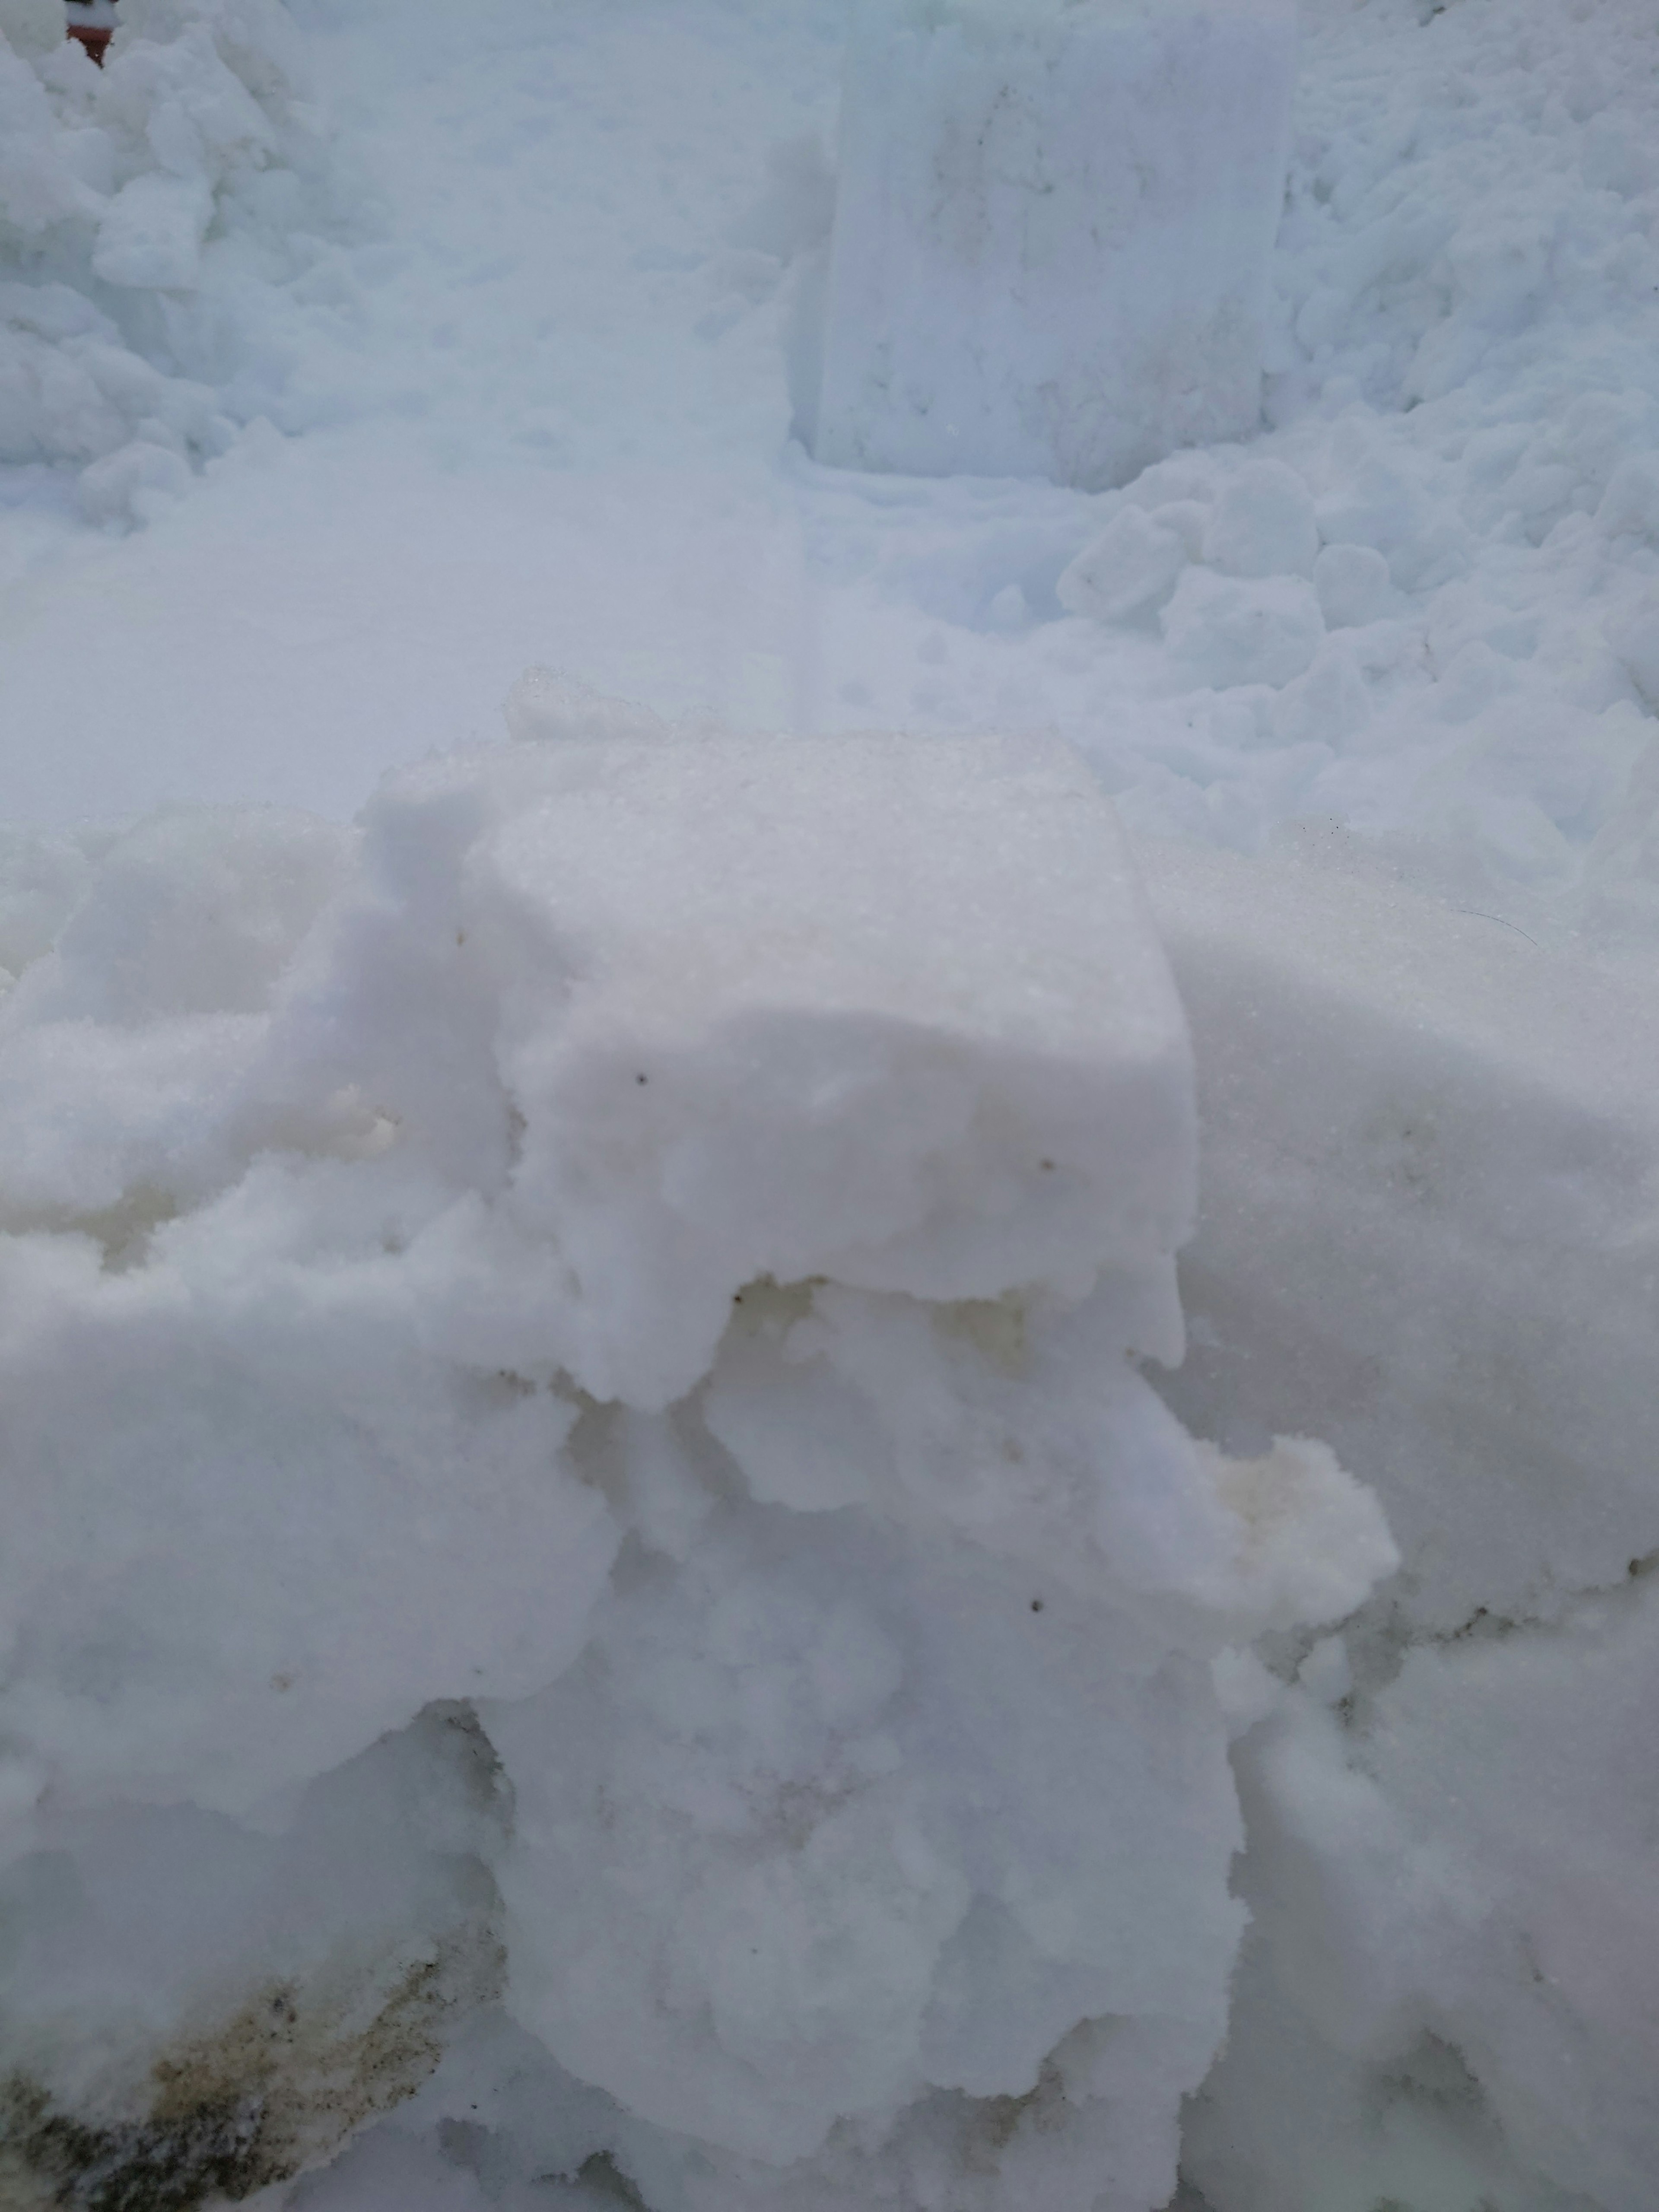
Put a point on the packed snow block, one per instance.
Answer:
(1052, 233)
(884, 1010)
(1427, 1233)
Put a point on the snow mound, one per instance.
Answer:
(141, 206)
(586, 1529)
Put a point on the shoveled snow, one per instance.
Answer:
(642, 1301)
(354, 360)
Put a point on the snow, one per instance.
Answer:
(1429, 1144)
(1447, 2001)
(110, 182)
(646, 1239)
(1052, 233)
(409, 1411)
(1427, 1234)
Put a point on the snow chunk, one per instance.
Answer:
(191, 2007)
(808, 1903)
(134, 483)
(194, 912)
(1051, 238)
(31, 27)
(1263, 523)
(152, 235)
(1223, 631)
(1128, 570)
(1449, 1977)
(1353, 584)
(1315, 1542)
(1633, 634)
(741, 1030)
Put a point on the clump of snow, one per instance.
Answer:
(1263, 523)
(636, 1259)
(1052, 233)
(1225, 632)
(1129, 569)
(139, 204)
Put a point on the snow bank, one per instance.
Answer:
(1052, 234)
(582, 1524)
(143, 207)
(1430, 1153)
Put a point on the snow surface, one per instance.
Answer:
(353, 360)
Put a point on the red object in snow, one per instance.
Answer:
(94, 41)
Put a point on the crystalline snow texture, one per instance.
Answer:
(1051, 240)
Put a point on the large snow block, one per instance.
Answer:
(887, 1011)
(1052, 235)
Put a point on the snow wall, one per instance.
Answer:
(1051, 232)
(586, 1543)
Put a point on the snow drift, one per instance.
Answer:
(582, 1507)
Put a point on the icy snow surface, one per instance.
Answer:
(353, 359)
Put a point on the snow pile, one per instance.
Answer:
(1315, 629)
(519, 1609)
(1052, 233)
(573, 1439)
(1420, 600)
(1431, 1149)
(1465, 410)
(140, 205)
